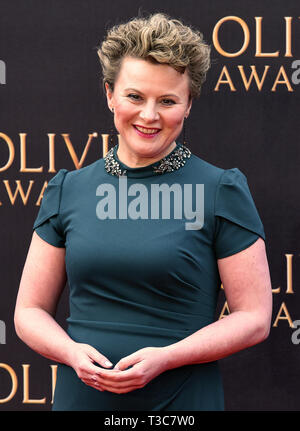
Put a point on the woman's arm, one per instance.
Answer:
(246, 280)
(42, 282)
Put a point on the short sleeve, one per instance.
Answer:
(48, 223)
(237, 222)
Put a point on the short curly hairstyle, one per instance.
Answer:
(159, 39)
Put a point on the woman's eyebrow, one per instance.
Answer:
(163, 95)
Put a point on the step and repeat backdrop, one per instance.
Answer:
(53, 115)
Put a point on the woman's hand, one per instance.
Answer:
(83, 358)
(147, 363)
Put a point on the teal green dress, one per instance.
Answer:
(140, 280)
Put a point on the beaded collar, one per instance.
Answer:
(172, 162)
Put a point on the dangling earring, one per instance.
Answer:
(111, 133)
(184, 131)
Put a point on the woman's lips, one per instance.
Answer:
(146, 132)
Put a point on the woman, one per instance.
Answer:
(143, 266)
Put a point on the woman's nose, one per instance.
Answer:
(149, 113)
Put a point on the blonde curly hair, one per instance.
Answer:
(159, 39)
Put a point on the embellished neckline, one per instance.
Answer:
(170, 163)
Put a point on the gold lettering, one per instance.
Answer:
(104, 144)
(51, 137)
(285, 81)
(288, 36)
(259, 83)
(14, 383)
(215, 36)
(286, 316)
(227, 81)
(289, 277)
(23, 156)
(277, 290)
(258, 53)
(26, 399)
(11, 150)
(19, 189)
(38, 202)
(53, 374)
(225, 308)
(78, 163)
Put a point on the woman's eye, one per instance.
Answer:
(134, 96)
(168, 102)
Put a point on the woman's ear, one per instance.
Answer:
(109, 96)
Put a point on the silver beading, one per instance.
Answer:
(170, 163)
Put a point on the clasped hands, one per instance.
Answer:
(146, 364)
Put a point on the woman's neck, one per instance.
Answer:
(134, 160)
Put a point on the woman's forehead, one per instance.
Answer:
(143, 74)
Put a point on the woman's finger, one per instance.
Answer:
(122, 379)
(99, 358)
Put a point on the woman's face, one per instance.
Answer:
(150, 102)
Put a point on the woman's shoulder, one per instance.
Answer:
(83, 174)
(216, 174)
(205, 170)
(204, 163)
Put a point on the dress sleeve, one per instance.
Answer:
(48, 223)
(237, 222)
